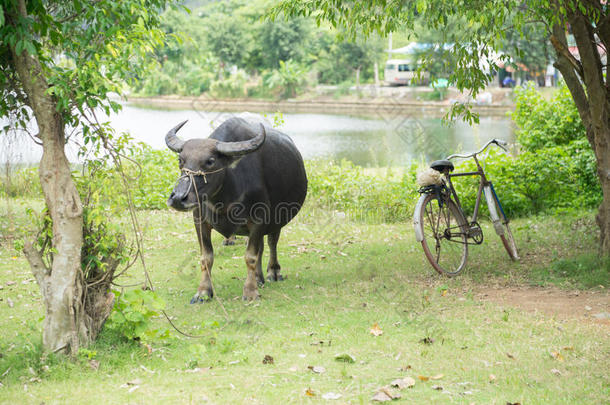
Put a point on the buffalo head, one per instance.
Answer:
(203, 164)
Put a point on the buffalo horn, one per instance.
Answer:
(243, 147)
(171, 139)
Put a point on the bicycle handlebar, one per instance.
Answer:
(499, 142)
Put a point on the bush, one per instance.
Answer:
(22, 183)
(289, 79)
(348, 188)
(232, 87)
(133, 312)
(545, 123)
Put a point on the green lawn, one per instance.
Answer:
(342, 278)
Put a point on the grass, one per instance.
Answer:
(342, 278)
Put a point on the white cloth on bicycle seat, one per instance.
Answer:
(428, 177)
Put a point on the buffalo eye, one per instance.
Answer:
(210, 162)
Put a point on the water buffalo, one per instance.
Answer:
(245, 179)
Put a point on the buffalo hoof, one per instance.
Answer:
(199, 298)
(251, 296)
(277, 277)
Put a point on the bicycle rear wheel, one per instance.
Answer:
(444, 235)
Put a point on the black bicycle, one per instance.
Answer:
(441, 225)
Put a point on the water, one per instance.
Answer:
(376, 141)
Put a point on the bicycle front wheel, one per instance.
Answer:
(444, 235)
(506, 236)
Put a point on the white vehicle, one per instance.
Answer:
(399, 72)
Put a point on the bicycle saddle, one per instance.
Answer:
(442, 165)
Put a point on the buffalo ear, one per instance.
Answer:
(243, 147)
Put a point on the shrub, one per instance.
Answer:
(289, 78)
(22, 183)
(133, 313)
(545, 123)
(232, 87)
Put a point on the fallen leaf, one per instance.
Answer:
(555, 371)
(268, 359)
(423, 378)
(345, 358)
(317, 369)
(513, 403)
(557, 356)
(588, 308)
(309, 392)
(437, 387)
(437, 377)
(10, 303)
(443, 293)
(492, 378)
(331, 395)
(568, 348)
(376, 330)
(94, 364)
(137, 381)
(11, 282)
(381, 396)
(385, 394)
(510, 356)
(402, 383)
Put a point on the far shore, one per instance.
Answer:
(386, 107)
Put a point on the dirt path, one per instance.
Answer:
(587, 306)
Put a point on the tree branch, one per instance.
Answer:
(39, 269)
(569, 73)
(563, 51)
(582, 29)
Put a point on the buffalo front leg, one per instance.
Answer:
(273, 268)
(205, 291)
(260, 278)
(252, 262)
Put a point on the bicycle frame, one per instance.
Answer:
(486, 188)
(482, 184)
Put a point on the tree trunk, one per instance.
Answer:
(586, 82)
(61, 282)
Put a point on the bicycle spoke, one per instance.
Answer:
(444, 240)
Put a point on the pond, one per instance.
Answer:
(383, 139)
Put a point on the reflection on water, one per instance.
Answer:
(365, 141)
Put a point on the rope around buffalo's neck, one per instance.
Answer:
(192, 173)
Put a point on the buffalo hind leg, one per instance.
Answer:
(273, 268)
(205, 291)
(252, 259)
